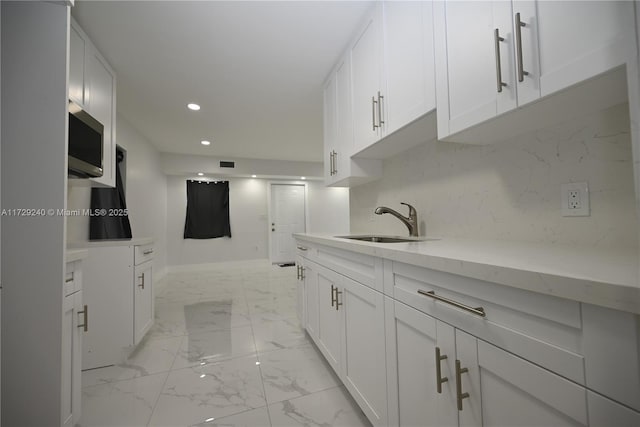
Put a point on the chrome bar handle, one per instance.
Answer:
(335, 162)
(380, 116)
(85, 325)
(141, 285)
(147, 252)
(475, 310)
(497, 39)
(302, 272)
(519, 25)
(459, 394)
(338, 303)
(439, 379)
(333, 297)
(298, 272)
(331, 164)
(373, 112)
(69, 280)
(302, 248)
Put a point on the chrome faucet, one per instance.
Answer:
(411, 222)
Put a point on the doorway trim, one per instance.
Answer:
(304, 184)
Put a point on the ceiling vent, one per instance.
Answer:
(224, 164)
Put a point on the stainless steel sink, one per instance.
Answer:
(384, 239)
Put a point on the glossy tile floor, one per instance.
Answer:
(226, 350)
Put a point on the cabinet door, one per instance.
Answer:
(77, 46)
(143, 301)
(100, 98)
(468, 63)
(71, 354)
(363, 357)
(605, 413)
(311, 299)
(344, 120)
(300, 297)
(408, 62)
(330, 323)
(366, 60)
(446, 409)
(581, 39)
(518, 393)
(329, 121)
(412, 374)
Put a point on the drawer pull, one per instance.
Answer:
(298, 271)
(141, 285)
(475, 310)
(459, 394)
(302, 248)
(519, 25)
(439, 379)
(334, 297)
(147, 252)
(85, 325)
(302, 272)
(69, 280)
(338, 303)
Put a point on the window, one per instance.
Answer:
(207, 210)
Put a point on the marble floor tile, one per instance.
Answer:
(192, 395)
(207, 347)
(295, 372)
(254, 418)
(279, 334)
(151, 357)
(198, 364)
(122, 403)
(333, 407)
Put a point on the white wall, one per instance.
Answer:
(146, 195)
(34, 160)
(511, 190)
(248, 211)
(248, 217)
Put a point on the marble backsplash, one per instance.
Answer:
(511, 190)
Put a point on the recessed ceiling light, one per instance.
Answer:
(253, 176)
(200, 174)
(205, 142)
(193, 107)
(303, 177)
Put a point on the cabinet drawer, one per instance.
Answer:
(143, 253)
(543, 329)
(72, 278)
(305, 250)
(364, 269)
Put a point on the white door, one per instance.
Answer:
(287, 217)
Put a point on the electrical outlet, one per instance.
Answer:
(575, 199)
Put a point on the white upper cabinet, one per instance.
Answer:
(579, 40)
(92, 84)
(495, 56)
(340, 168)
(366, 84)
(77, 46)
(393, 74)
(101, 104)
(408, 62)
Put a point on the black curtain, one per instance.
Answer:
(207, 210)
(109, 217)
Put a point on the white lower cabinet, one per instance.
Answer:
(444, 350)
(119, 290)
(349, 317)
(74, 323)
(142, 301)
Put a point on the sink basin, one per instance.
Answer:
(385, 239)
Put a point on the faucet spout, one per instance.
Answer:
(411, 221)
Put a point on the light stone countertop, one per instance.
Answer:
(75, 254)
(137, 241)
(607, 278)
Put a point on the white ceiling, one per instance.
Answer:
(256, 68)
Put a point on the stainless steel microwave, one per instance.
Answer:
(86, 143)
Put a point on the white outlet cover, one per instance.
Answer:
(583, 189)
